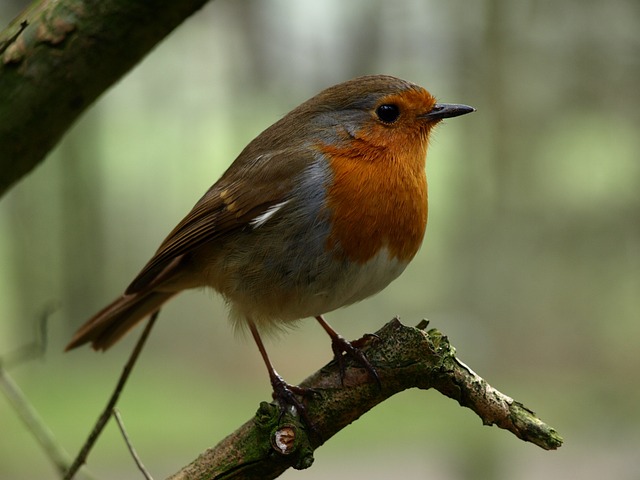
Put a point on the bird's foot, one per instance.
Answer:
(286, 396)
(343, 348)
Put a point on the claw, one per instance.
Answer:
(285, 395)
(342, 348)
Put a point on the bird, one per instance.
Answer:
(323, 209)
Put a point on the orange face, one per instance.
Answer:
(378, 198)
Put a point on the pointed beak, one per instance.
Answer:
(447, 110)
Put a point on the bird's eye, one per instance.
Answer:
(388, 112)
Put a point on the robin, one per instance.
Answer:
(324, 208)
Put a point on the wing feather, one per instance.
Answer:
(246, 191)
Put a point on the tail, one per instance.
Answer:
(110, 324)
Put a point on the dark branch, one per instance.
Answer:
(58, 56)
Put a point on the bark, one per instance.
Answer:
(404, 357)
(58, 56)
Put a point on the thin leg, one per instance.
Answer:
(342, 347)
(283, 393)
(273, 375)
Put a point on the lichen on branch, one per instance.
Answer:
(404, 357)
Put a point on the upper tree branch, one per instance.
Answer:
(58, 56)
(404, 357)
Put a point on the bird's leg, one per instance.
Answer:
(283, 393)
(342, 347)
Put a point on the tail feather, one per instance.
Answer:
(111, 323)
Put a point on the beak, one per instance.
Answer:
(447, 110)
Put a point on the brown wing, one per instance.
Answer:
(246, 190)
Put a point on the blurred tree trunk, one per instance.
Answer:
(79, 218)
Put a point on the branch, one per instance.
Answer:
(108, 410)
(32, 420)
(58, 56)
(404, 357)
(19, 401)
(145, 473)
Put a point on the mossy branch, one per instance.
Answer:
(58, 56)
(404, 357)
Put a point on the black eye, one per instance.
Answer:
(388, 112)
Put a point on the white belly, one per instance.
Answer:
(341, 284)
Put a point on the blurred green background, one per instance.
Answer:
(531, 262)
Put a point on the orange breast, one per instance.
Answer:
(378, 198)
